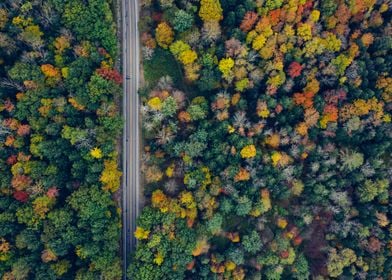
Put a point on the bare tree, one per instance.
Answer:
(9, 83)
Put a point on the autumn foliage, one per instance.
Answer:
(59, 93)
(164, 35)
(249, 20)
(110, 74)
(270, 149)
(294, 69)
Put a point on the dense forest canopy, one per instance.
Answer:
(267, 140)
(59, 123)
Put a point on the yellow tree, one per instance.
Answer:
(201, 247)
(50, 71)
(188, 57)
(61, 44)
(210, 10)
(96, 153)
(258, 42)
(248, 151)
(191, 71)
(225, 65)
(42, 205)
(164, 35)
(3, 18)
(110, 176)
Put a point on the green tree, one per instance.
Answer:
(252, 242)
(182, 21)
(369, 189)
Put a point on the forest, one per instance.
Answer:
(267, 140)
(266, 130)
(59, 127)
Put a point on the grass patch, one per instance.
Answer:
(162, 63)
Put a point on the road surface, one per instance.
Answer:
(130, 184)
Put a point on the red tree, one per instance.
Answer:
(52, 192)
(11, 160)
(23, 130)
(8, 105)
(110, 74)
(294, 69)
(21, 196)
(249, 20)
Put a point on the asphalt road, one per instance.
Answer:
(131, 140)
